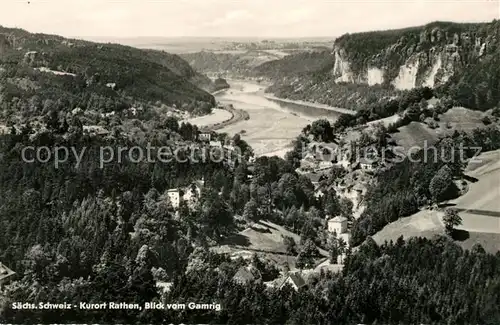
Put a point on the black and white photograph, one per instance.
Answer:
(271, 162)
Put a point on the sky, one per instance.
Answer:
(234, 18)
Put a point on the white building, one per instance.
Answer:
(193, 191)
(366, 164)
(205, 136)
(325, 165)
(174, 197)
(337, 225)
(216, 144)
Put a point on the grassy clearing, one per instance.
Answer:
(426, 224)
(482, 201)
(457, 118)
(415, 134)
(263, 238)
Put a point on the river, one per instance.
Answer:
(272, 125)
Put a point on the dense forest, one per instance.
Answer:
(83, 233)
(295, 65)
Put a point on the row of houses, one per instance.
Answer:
(322, 156)
(249, 274)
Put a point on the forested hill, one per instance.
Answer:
(459, 60)
(296, 65)
(55, 67)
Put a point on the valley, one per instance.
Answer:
(300, 181)
(272, 124)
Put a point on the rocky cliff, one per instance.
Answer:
(413, 57)
(461, 61)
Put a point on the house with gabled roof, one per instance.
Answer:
(6, 275)
(247, 275)
(295, 280)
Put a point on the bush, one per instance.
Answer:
(486, 120)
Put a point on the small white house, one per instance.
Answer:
(337, 225)
(325, 165)
(366, 164)
(193, 191)
(174, 197)
(216, 144)
(205, 136)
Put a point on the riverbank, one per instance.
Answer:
(237, 115)
(304, 103)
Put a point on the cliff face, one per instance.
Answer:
(422, 56)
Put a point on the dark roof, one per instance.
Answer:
(5, 272)
(297, 279)
(247, 275)
(316, 177)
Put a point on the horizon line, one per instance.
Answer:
(245, 37)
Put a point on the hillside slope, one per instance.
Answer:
(56, 68)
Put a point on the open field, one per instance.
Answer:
(415, 134)
(278, 153)
(484, 163)
(385, 121)
(479, 209)
(460, 118)
(316, 105)
(480, 206)
(422, 224)
(427, 224)
(457, 118)
(264, 238)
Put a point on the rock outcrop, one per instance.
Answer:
(422, 56)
